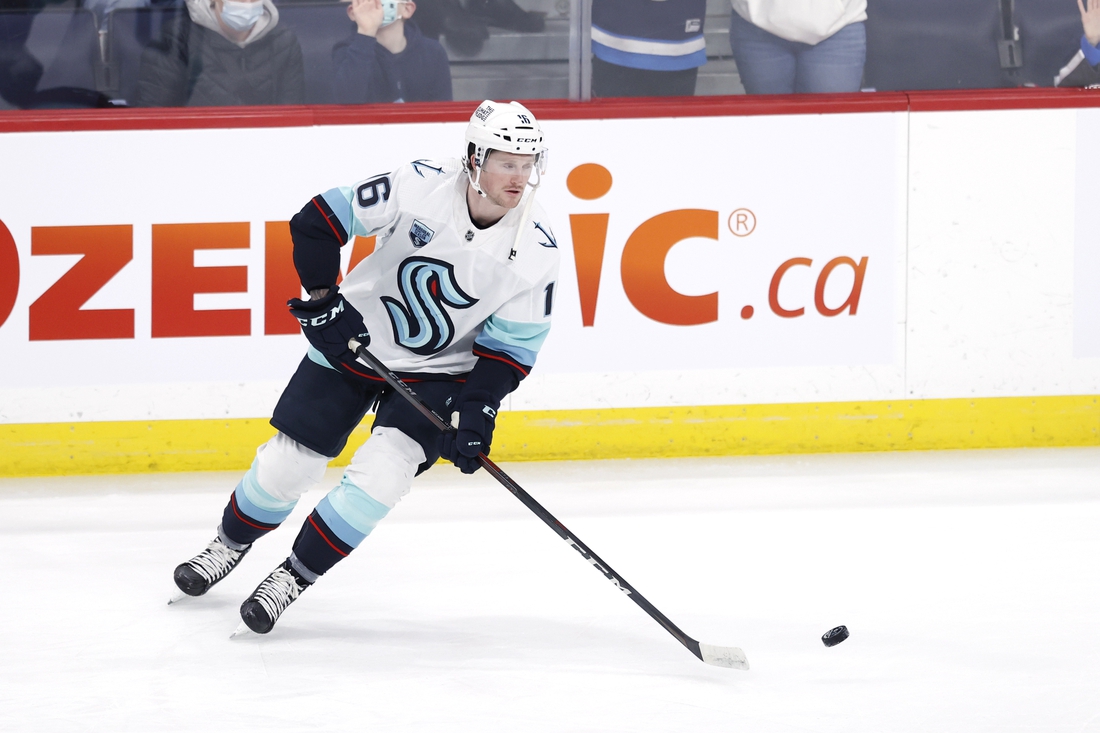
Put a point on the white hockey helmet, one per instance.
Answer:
(505, 126)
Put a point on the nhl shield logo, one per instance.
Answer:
(420, 234)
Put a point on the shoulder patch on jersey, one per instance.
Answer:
(425, 166)
(420, 234)
(545, 229)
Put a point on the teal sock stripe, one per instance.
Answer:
(350, 513)
(257, 503)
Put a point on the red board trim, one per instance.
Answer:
(724, 106)
(994, 99)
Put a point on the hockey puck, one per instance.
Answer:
(832, 637)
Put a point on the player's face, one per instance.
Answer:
(504, 177)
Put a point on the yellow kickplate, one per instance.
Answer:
(726, 430)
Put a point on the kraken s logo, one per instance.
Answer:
(421, 324)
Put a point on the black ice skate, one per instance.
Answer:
(200, 573)
(277, 591)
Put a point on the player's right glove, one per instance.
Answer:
(474, 435)
(329, 323)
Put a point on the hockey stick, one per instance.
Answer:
(720, 656)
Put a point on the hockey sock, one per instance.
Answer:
(317, 548)
(252, 512)
(341, 521)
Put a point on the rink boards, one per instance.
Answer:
(842, 278)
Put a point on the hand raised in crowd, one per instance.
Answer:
(368, 15)
(1090, 19)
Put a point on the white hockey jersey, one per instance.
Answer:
(436, 286)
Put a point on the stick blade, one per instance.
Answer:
(723, 656)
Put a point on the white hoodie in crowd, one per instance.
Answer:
(205, 13)
(805, 21)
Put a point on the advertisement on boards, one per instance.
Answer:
(162, 258)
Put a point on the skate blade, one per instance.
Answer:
(178, 596)
(241, 630)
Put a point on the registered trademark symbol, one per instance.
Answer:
(742, 222)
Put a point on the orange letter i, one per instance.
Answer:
(589, 181)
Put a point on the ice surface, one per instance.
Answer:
(970, 583)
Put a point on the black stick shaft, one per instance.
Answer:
(529, 501)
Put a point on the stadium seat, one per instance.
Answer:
(1050, 33)
(934, 44)
(129, 31)
(319, 27)
(65, 43)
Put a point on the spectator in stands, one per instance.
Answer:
(1083, 70)
(388, 59)
(223, 52)
(647, 48)
(794, 46)
(465, 34)
(465, 27)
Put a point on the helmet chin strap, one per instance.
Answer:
(475, 180)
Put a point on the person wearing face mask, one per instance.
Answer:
(388, 59)
(222, 52)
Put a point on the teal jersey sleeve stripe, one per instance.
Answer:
(521, 341)
(339, 200)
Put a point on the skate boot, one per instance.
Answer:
(200, 573)
(262, 609)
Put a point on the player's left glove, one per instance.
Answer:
(474, 435)
(329, 323)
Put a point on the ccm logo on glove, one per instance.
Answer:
(329, 322)
(324, 317)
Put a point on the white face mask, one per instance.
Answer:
(241, 16)
(389, 11)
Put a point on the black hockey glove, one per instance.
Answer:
(474, 435)
(329, 323)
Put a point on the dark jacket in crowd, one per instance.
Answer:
(194, 66)
(367, 73)
(1083, 70)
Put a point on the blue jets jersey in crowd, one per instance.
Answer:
(659, 35)
(437, 293)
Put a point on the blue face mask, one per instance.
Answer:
(241, 16)
(389, 11)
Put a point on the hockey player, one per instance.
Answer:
(456, 299)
